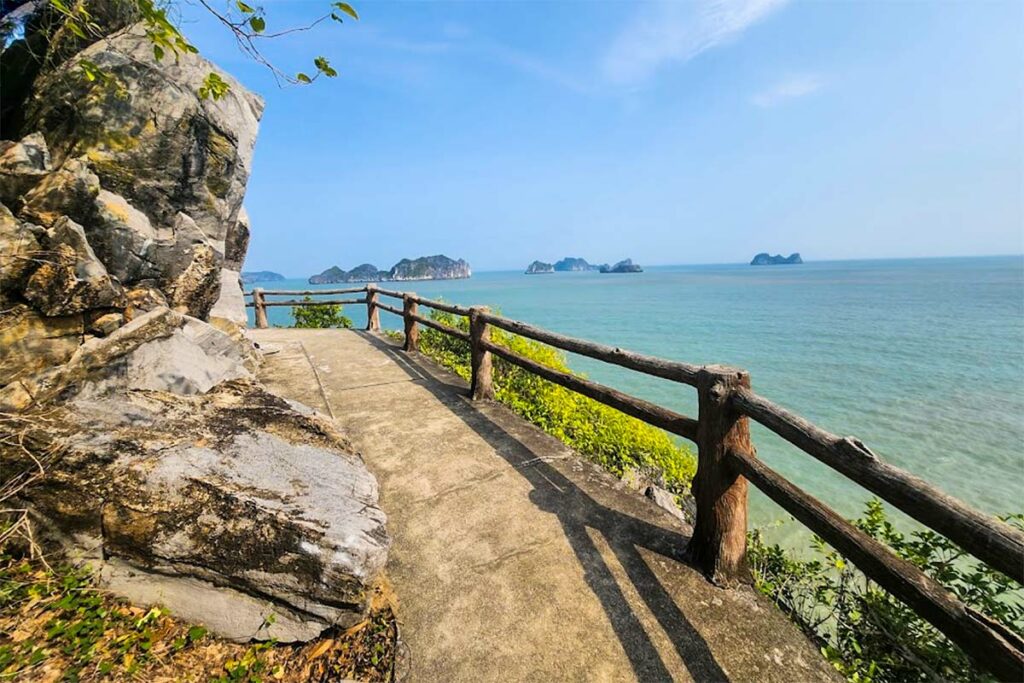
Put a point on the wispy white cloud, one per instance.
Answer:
(533, 66)
(788, 89)
(671, 31)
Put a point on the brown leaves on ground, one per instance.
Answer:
(56, 625)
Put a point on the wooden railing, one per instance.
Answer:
(727, 462)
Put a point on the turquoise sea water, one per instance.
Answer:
(921, 359)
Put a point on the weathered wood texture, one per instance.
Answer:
(718, 545)
(410, 309)
(996, 543)
(482, 384)
(300, 302)
(372, 314)
(642, 410)
(390, 309)
(310, 292)
(993, 646)
(430, 303)
(678, 372)
(441, 327)
(259, 303)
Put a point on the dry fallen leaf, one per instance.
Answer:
(320, 649)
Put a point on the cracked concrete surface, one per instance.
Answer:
(513, 560)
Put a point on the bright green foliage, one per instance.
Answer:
(604, 435)
(86, 629)
(250, 667)
(319, 316)
(247, 26)
(213, 87)
(868, 635)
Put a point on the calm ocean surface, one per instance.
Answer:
(922, 359)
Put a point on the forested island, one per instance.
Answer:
(572, 264)
(539, 268)
(766, 259)
(437, 267)
(250, 277)
(624, 266)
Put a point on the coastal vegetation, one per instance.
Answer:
(319, 315)
(606, 436)
(865, 633)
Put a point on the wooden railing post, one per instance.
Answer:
(718, 546)
(479, 331)
(259, 308)
(412, 329)
(372, 312)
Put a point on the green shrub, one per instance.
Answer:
(319, 316)
(602, 434)
(867, 634)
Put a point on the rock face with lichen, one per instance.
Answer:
(228, 508)
(122, 236)
(126, 195)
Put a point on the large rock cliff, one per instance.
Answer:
(122, 236)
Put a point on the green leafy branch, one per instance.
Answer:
(247, 23)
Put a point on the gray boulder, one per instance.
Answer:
(159, 350)
(231, 304)
(31, 343)
(125, 240)
(71, 279)
(156, 143)
(22, 165)
(225, 508)
(19, 254)
(70, 191)
(236, 243)
(194, 357)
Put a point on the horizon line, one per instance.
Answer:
(722, 263)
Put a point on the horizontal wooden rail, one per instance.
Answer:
(679, 372)
(301, 302)
(431, 303)
(310, 292)
(996, 543)
(992, 645)
(390, 309)
(643, 410)
(440, 327)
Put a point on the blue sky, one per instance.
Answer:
(669, 132)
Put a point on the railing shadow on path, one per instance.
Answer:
(577, 512)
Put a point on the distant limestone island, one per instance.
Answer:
(250, 277)
(765, 259)
(438, 267)
(576, 265)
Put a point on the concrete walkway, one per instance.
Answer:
(512, 559)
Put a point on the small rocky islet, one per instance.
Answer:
(439, 267)
(571, 264)
(766, 259)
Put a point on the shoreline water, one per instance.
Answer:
(922, 359)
